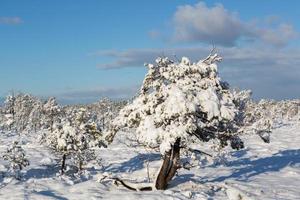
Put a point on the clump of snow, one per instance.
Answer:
(47, 161)
(235, 194)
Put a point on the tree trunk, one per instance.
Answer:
(80, 166)
(63, 163)
(51, 125)
(167, 171)
(169, 167)
(103, 123)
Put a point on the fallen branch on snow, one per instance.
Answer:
(133, 186)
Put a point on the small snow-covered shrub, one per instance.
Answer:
(22, 112)
(104, 111)
(16, 157)
(74, 138)
(26, 113)
(263, 116)
(51, 113)
(9, 112)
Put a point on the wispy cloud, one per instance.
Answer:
(10, 20)
(279, 36)
(200, 23)
(129, 58)
(241, 56)
(154, 34)
(93, 95)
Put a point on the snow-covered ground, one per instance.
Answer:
(260, 171)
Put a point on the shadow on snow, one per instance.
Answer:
(245, 168)
(42, 172)
(51, 194)
(133, 164)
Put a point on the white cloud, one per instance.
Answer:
(10, 20)
(200, 23)
(213, 25)
(278, 36)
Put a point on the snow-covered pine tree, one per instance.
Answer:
(16, 157)
(105, 110)
(180, 103)
(261, 117)
(51, 113)
(35, 116)
(252, 118)
(2, 119)
(75, 137)
(8, 122)
(24, 104)
(9, 110)
(21, 112)
(9, 104)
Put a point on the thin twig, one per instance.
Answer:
(199, 151)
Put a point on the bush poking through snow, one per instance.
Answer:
(236, 194)
(52, 113)
(75, 138)
(16, 157)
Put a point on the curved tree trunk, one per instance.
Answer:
(167, 171)
(169, 167)
(80, 166)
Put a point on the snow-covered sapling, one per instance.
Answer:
(180, 103)
(51, 113)
(9, 110)
(22, 112)
(75, 138)
(16, 157)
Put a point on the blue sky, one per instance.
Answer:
(81, 50)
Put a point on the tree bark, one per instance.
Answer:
(161, 178)
(63, 163)
(169, 167)
(80, 166)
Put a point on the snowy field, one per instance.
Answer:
(260, 171)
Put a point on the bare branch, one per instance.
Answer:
(200, 152)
